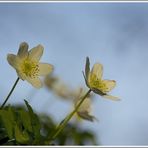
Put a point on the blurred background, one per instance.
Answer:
(114, 34)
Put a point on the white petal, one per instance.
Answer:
(111, 97)
(20, 74)
(86, 116)
(36, 82)
(85, 106)
(13, 60)
(36, 53)
(85, 109)
(107, 85)
(97, 70)
(45, 69)
(23, 50)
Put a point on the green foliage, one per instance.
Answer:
(35, 123)
(21, 135)
(21, 126)
(8, 119)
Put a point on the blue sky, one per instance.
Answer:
(114, 34)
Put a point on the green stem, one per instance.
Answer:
(63, 124)
(9, 93)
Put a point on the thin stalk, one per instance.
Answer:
(64, 122)
(9, 93)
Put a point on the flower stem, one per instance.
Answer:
(65, 121)
(10, 93)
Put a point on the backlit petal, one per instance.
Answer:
(107, 85)
(23, 50)
(45, 69)
(36, 53)
(85, 106)
(97, 70)
(111, 97)
(86, 116)
(13, 60)
(84, 109)
(36, 82)
(21, 75)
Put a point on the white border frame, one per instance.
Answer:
(76, 1)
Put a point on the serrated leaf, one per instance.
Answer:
(7, 117)
(21, 136)
(11, 113)
(34, 121)
(26, 120)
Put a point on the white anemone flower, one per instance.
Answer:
(95, 82)
(26, 63)
(84, 111)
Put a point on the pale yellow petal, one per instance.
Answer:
(45, 69)
(20, 74)
(97, 70)
(36, 82)
(13, 60)
(85, 109)
(85, 106)
(107, 85)
(86, 116)
(36, 53)
(23, 50)
(111, 97)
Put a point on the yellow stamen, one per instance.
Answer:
(94, 82)
(30, 68)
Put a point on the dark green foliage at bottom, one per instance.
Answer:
(21, 126)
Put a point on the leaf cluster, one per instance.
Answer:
(20, 125)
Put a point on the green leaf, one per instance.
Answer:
(26, 120)
(8, 119)
(34, 121)
(20, 135)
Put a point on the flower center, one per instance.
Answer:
(94, 82)
(30, 68)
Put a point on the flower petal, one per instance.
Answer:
(36, 53)
(20, 74)
(36, 82)
(97, 70)
(85, 106)
(23, 50)
(45, 69)
(86, 116)
(107, 85)
(111, 97)
(87, 68)
(85, 109)
(13, 60)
